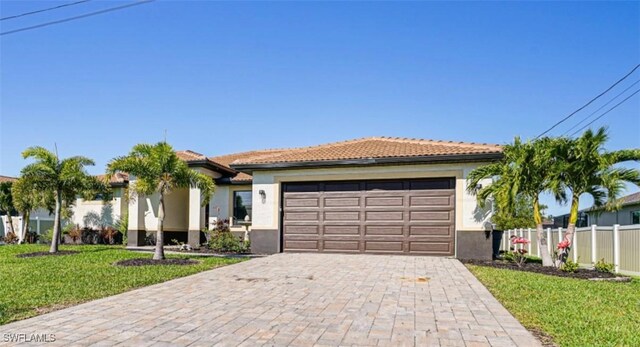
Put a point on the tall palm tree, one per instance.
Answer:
(26, 198)
(64, 179)
(157, 169)
(521, 173)
(585, 167)
(6, 201)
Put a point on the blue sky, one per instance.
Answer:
(224, 77)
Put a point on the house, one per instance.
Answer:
(628, 214)
(370, 195)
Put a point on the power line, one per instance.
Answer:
(43, 10)
(601, 107)
(590, 101)
(111, 9)
(609, 110)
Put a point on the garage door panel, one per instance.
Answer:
(430, 216)
(341, 245)
(301, 244)
(302, 229)
(301, 216)
(373, 230)
(433, 230)
(384, 215)
(341, 230)
(341, 215)
(395, 217)
(302, 202)
(383, 246)
(342, 202)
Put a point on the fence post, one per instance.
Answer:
(559, 234)
(529, 238)
(616, 247)
(574, 246)
(594, 257)
(521, 236)
(549, 240)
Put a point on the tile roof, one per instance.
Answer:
(370, 148)
(117, 178)
(227, 159)
(189, 155)
(630, 199)
(7, 179)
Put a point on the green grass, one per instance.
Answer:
(573, 312)
(30, 286)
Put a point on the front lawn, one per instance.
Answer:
(30, 286)
(573, 312)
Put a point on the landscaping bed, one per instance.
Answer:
(34, 285)
(571, 311)
(44, 254)
(533, 266)
(162, 262)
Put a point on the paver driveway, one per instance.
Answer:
(297, 299)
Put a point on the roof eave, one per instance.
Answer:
(432, 159)
(206, 163)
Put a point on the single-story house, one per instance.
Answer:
(628, 214)
(370, 195)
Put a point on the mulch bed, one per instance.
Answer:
(546, 270)
(44, 254)
(162, 262)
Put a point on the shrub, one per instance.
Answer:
(569, 266)
(108, 235)
(32, 237)
(47, 236)
(222, 240)
(11, 238)
(602, 266)
(122, 225)
(75, 234)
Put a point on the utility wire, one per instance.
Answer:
(600, 108)
(609, 110)
(590, 101)
(43, 10)
(111, 9)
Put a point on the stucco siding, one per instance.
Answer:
(176, 211)
(96, 213)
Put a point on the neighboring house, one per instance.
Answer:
(628, 214)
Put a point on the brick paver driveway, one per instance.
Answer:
(297, 299)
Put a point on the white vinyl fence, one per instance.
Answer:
(618, 245)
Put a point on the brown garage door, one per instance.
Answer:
(391, 216)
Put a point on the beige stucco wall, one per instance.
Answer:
(97, 213)
(221, 204)
(266, 212)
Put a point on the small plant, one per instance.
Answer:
(569, 266)
(47, 236)
(11, 238)
(222, 240)
(75, 233)
(603, 266)
(32, 237)
(122, 225)
(519, 255)
(107, 235)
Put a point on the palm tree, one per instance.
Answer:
(585, 167)
(158, 169)
(64, 179)
(6, 201)
(26, 198)
(521, 174)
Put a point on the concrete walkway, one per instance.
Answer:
(296, 299)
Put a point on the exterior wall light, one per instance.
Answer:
(263, 195)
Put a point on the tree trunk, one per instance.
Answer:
(56, 223)
(11, 223)
(25, 227)
(571, 229)
(159, 253)
(541, 236)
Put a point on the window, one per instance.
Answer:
(635, 217)
(242, 205)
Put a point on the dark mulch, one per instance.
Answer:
(147, 261)
(206, 250)
(44, 254)
(546, 270)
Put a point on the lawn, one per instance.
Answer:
(573, 312)
(31, 286)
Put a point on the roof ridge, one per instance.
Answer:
(421, 141)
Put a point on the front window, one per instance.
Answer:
(635, 217)
(242, 205)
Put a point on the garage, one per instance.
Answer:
(412, 216)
